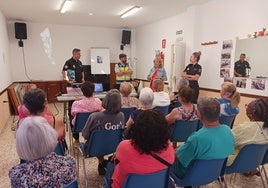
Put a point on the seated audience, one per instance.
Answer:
(207, 143)
(187, 111)
(87, 104)
(174, 102)
(108, 119)
(254, 131)
(35, 142)
(36, 103)
(146, 99)
(135, 155)
(229, 100)
(126, 99)
(161, 98)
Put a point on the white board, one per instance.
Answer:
(100, 60)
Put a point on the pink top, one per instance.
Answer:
(131, 161)
(22, 115)
(89, 104)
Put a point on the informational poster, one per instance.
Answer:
(100, 60)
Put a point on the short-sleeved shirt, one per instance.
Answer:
(226, 108)
(193, 69)
(207, 143)
(103, 121)
(161, 98)
(241, 68)
(161, 73)
(88, 104)
(119, 67)
(77, 66)
(131, 161)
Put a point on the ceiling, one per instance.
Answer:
(105, 12)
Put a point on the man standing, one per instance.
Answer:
(123, 71)
(242, 67)
(207, 143)
(75, 73)
(74, 68)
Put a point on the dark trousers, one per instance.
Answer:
(75, 134)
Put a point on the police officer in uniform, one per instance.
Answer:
(192, 72)
(123, 71)
(73, 65)
(242, 67)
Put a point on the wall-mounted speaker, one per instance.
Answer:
(126, 37)
(20, 30)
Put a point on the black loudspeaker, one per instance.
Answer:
(126, 37)
(20, 30)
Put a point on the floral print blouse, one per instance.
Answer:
(51, 171)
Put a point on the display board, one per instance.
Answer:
(100, 60)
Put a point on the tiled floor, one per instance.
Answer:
(9, 158)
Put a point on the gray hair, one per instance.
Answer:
(209, 108)
(112, 101)
(146, 97)
(182, 83)
(35, 138)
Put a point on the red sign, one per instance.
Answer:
(164, 43)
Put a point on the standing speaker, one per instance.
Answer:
(20, 30)
(126, 37)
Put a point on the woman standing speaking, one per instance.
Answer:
(192, 72)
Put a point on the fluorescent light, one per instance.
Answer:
(130, 11)
(65, 6)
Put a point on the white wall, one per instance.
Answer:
(214, 21)
(64, 38)
(5, 74)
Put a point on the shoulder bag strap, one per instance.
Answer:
(161, 160)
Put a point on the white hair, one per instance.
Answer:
(35, 138)
(182, 83)
(146, 97)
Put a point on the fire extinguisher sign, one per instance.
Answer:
(164, 41)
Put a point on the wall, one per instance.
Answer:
(216, 20)
(5, 72)
(60, 42)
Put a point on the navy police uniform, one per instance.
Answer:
(193, 69)
(72, 64)
(241, 67)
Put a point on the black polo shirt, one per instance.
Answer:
(240, 67)
(72, 64)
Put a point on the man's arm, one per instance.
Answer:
(63, 75)
(83, 77)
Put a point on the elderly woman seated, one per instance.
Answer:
(35, 142)
(137, 155)
(146, 99)
(126, 100)
(109, 119)
(187, 111)
(161, 98)
(254, 131)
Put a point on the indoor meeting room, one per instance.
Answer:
(133, 94)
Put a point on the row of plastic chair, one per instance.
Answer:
(202, 172)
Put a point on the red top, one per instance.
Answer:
(131, 161)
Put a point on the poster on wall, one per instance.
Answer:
(225, 65)
(100, 60)
(258, 84)
(240, 82)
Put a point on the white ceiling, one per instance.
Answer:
(105, 12)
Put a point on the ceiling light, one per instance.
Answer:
(65, 6)
(130, 11)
